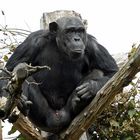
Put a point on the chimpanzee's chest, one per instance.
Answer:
(62, 79)
(59, 83)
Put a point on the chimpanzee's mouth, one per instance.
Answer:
(76, 54)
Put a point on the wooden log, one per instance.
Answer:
(53, 16)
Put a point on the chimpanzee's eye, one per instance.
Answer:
(81, 30)
(69, 31)
(73, 30)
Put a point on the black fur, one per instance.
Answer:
(80, 66)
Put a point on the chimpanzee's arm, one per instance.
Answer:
(28, 50)
(99, 58)
(102, 67)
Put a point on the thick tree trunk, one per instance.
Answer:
(53, 16)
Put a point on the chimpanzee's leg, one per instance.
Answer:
(40, 112)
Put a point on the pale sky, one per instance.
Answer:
(115, 23)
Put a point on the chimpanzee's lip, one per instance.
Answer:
(76, 54)
(78, 51)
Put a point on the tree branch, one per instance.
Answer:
(8, 107)
(27, 129)
(103, 98)
(14, 86)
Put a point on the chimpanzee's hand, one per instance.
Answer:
(24, 105)
(83, 94)
(87, 90)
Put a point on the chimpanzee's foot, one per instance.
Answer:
(24, 105)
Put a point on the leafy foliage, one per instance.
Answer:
(9, 39)
(121, 120)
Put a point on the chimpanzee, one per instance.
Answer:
(80, 66)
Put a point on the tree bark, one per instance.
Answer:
(27, 129)
(53, 16)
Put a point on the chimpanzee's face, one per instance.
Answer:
(71, 36)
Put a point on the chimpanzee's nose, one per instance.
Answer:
(76, 39)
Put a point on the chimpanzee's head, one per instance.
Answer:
(70, 36)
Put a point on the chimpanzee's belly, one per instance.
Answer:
(57, 91)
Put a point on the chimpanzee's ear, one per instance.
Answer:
(53, 26)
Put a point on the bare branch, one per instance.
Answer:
(19, 74)
(27, 129)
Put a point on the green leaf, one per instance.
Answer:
(131, 104)
(114, 123)
(131, 112)
(13, 130)
(5, 58)
(128, 138)
(20, 137)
